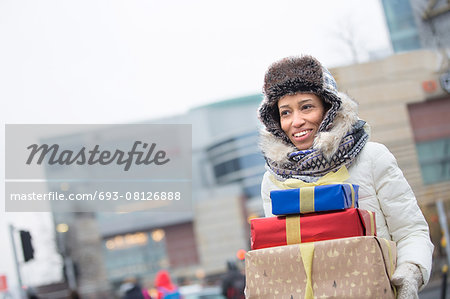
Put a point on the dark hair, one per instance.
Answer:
(326, 105)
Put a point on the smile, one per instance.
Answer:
(302, 133)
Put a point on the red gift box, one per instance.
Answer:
(294, 229)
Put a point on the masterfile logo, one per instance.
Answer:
(90, 168)
(94, 156)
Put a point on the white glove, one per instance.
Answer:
(408, 278)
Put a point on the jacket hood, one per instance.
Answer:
(277, 149)
(162, 279)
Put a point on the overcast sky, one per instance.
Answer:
(110, 61)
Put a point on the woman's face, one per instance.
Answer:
(300, 118)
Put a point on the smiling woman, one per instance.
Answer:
(312, 130)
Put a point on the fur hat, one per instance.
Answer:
(292, 75)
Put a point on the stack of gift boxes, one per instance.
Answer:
(320, 245)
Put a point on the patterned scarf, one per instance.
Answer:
(309, 165)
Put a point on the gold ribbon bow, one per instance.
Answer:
(337, 177)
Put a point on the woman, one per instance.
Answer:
(310, 130)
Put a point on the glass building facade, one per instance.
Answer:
(238, 160)
(134, 254)
(402, 27)
(434, 158)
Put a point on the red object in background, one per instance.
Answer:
(429, 86)
(429, 119)
(241, 254)
(3, 283)
(271, 231)
(434, 218)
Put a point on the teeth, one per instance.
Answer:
(300, 134)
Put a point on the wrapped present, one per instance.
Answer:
(293, 229)
(358, 267)
(314, 199)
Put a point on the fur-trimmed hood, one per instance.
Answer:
(327, 142)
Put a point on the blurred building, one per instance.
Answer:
(417, 24)
(107, 248)
(403, 99)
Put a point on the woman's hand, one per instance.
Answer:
(407, 278)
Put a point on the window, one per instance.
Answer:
(431, 128)
(434, 158)
(236, 159)
(402, 27)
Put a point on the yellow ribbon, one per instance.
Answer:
(391, 265)
(306, 199)
(391, 261)
(353, 195)
(372, 223)
(307, 253)
(293, 234)
(307, 206)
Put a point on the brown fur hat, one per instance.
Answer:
(292, 75)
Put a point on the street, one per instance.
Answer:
(434, 292)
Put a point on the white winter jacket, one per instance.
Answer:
(385, 191)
